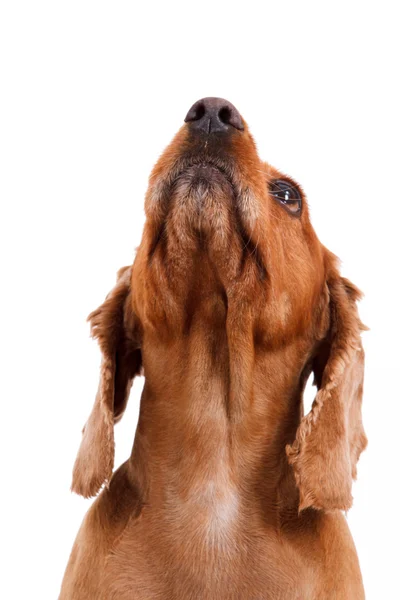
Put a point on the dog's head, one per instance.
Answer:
(211, 201)
(210, 189)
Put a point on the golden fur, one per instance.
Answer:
(230, 492)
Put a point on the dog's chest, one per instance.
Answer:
(203, 542)
(211, 559)
(207, 508)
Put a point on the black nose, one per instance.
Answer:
(213, 115)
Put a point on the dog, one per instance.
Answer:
(231, 492)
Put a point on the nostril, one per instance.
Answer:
(199, 112)
(225, 115)
(228, 115)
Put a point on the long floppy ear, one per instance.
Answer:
(113, 324)
(330, 438)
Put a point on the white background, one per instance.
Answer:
(91, 93)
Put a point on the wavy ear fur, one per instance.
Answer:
(114, 325)
(330, 438)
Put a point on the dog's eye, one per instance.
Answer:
(288, 195)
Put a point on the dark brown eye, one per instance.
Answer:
(288, 195)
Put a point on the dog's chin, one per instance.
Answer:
(202, 198)
(203, 182)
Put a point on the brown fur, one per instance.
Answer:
(230, 492)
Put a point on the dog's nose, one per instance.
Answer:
(214, 115)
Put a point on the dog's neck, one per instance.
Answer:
(217, 408)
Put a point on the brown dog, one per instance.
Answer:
(230, 492)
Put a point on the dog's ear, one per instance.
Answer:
(330, 438)
(114, 325)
